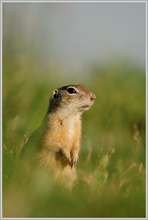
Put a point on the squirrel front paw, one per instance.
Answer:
(74, 158)
(66, 157)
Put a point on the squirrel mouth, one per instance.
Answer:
(85, 106)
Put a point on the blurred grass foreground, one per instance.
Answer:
(111, 168)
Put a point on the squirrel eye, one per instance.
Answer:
(71, 90)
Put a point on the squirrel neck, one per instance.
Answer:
(60, 118)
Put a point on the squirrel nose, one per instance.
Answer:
(92, 97)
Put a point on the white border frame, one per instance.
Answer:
(72, 1)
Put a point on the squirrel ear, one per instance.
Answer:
(54, 94)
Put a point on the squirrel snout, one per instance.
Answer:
(92, 97)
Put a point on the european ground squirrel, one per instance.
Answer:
(55, 144)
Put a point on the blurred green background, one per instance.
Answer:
(111, 167)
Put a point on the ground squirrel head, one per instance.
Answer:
(71, 99)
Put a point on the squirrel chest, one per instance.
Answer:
(62, 131)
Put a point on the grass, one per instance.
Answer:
(111, 168)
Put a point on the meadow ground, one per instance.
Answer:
(112, 164)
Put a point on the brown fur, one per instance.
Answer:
(57, 141)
